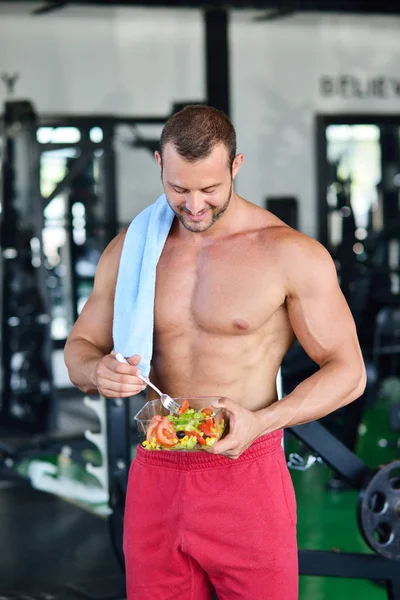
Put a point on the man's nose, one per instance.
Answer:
(195, 203)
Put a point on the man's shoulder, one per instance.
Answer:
(304, 262)
(292, 243)
(114, 248)
(296, 254)
(110, 258)
(278, 234)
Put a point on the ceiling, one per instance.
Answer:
(383, 7)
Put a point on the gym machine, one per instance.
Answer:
(367, 256)
(27, 399)
(27, 407)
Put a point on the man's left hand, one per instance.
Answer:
(244, 428)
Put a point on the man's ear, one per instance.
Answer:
(237, 163)
(157, 156)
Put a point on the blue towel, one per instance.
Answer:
(134, 295)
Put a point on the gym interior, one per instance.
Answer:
(86, 87)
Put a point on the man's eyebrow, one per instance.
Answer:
(211, 186)
(176, 185)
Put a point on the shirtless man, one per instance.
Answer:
(235, 286)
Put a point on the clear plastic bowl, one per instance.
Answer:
(154, 408)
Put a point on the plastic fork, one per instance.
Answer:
(166, 400)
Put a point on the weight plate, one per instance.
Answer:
(379, 511)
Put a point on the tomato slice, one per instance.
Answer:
(207, 427)
(200, 438)
(184, 407)
(165, 433)
(207, 412)
(151, 430)
(198, 435)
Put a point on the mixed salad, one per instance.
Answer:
(190, 430)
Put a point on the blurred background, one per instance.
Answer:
(86, 87)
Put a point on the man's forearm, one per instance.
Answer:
(332, 387)
(81, 358)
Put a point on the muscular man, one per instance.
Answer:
(234, 287)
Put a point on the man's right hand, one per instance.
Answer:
(114, 379)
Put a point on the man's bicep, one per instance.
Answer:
(318, 312)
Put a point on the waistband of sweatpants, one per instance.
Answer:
(187, 461)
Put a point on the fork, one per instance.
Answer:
(166, 400)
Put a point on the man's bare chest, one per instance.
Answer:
(222, 290)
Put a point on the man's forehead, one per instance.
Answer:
(218, 152)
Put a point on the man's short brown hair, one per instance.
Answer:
(196, 129)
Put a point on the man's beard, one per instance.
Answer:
(199, 227)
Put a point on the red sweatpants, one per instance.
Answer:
(194, 521)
